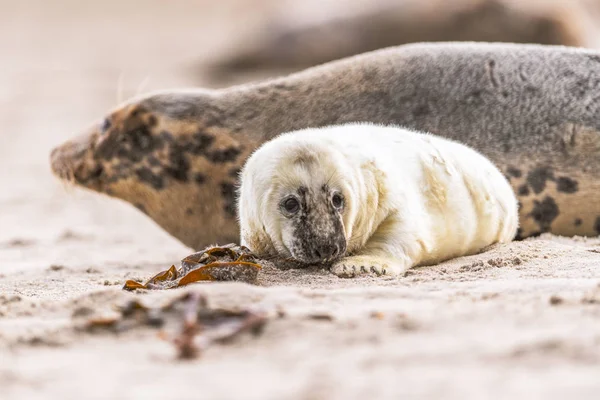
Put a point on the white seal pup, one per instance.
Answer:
(369, 198)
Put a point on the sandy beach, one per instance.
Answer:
(517, 321)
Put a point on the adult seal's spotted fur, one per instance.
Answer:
(383, 205)
(533, 110)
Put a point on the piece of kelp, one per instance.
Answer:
(224, 263)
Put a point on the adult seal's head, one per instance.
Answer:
(165, 153)
(298, 201)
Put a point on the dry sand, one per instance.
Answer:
(519, 321)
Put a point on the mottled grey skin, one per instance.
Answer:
(533, 110)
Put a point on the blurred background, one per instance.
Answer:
(66, 63)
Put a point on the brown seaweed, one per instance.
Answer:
(216, 326)
(222, 271)
(201, 325)
(225, 263)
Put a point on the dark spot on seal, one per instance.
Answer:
(475, 97)
(122, 168)
(537, 178)
(228, 194)
(166, 137)
(96, 172)
(523, 190)
(578, 222)
(512, 171)
(421, 111)
(544, 212)
(532, 90)
(519, 235)
(140, 207)
(152, 160)
(581, 87)
(199, 178)
(132, 141)
(222, 156)
(152, 121)
(189, 211)
(566, 185)
(235, 172)
(142, 139)
(593, 57)
(597, 225)
(200, 142)
(179, 165)
(123, 153)
(146, 175)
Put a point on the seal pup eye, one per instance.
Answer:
(290, 205)
(337, 200)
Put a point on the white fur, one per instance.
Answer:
(411, 198)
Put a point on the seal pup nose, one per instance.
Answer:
(336, 251)
(326, 251)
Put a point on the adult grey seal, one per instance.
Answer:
(533, 110)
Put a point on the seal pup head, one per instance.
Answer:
(297, 199)
(169, 154)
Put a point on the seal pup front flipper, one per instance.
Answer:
(380, 255)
